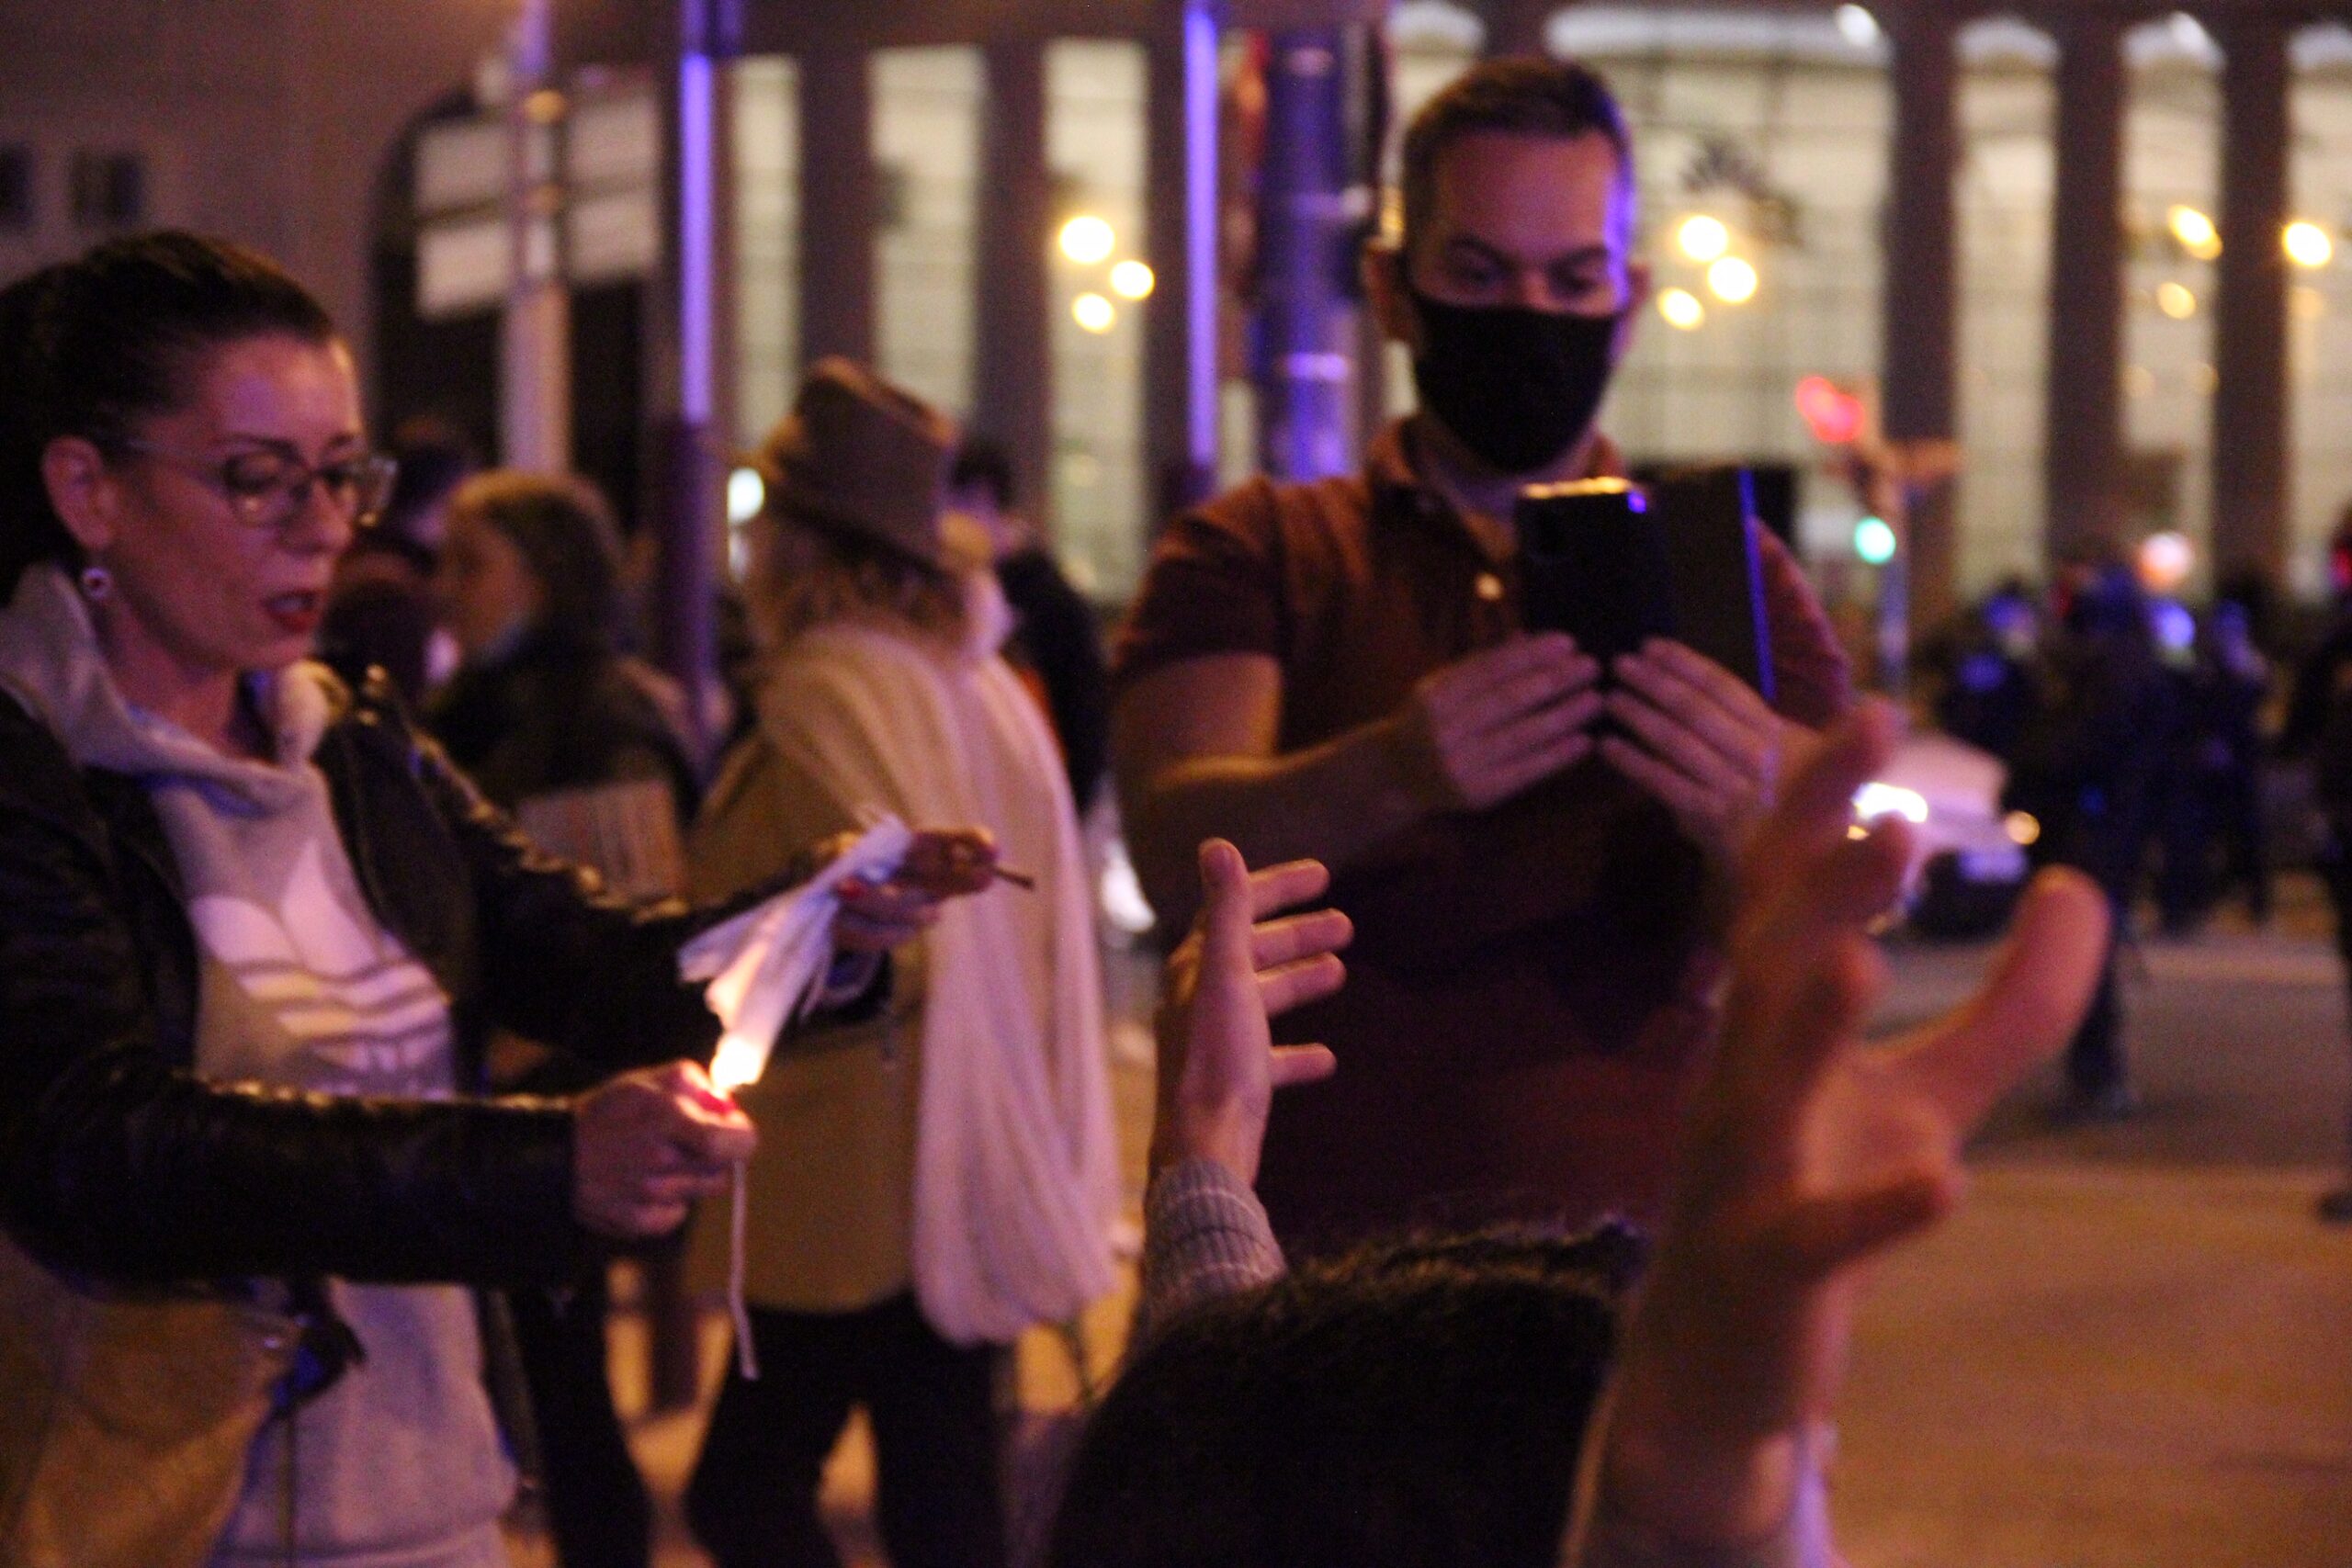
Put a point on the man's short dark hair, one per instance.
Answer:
(1524, 95)
(1418, 1403)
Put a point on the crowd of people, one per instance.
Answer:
(347, 852)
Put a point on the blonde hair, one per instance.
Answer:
(813, 573)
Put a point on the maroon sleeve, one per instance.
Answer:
(1214, 586)
(1811, 679)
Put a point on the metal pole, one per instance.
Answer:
(535, 331)
(1307, 327)
(688, 500)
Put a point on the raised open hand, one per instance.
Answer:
(1219, 1065)
(1808, 1152)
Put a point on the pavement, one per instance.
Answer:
(2131, 1349)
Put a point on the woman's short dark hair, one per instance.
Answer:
(564, 527)
(1522, 96)
(1417, 1404)
(89, 347)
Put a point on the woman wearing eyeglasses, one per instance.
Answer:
(251, 928)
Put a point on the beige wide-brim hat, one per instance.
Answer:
(859, 456)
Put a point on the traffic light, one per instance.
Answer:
(1833, 414)
(1875, 540)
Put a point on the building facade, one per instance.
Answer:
(2092, 243)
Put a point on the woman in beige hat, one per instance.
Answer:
(944, 1176)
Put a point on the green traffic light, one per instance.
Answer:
(1875, 540)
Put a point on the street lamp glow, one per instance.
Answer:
(1088, 240)
(2176, 301)
(1733, 280)
(1681, 310)
(746, 494)
(2308, 245)
(2166, 560)
(2195, 232)
(1856, 26)
(1132, 280)
(1093, 312)
(1703, 239)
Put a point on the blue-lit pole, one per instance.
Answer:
(1306, 231)
(688, 500)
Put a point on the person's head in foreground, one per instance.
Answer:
(1416, 1402)
(1427, 1405)
(1514, 284)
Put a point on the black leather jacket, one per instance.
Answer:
(116, 1161)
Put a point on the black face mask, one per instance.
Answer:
(1517, 387)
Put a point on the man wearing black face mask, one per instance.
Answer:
(1337, 670)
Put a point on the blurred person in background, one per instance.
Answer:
(946, 1172)
(560, 727)
(379, 605)
(1056, 635)
(2319, 729)
(1994, 682)
(2215, 842)
(2089, 767)
(251, 930)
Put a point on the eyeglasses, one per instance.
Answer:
(271, 488)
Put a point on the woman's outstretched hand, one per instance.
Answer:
(1807, 1152)
(1218, 1067)
(942, 864)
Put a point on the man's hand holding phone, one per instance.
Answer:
(1699, 739)
(1500, 722)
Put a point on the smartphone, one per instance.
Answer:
(1614, 564)
(1594, 563)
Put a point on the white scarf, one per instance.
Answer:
(1016, 1178)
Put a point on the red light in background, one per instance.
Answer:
(1831, 412)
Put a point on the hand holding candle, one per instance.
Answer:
(647, 1144)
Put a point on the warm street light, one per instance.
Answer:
(1088, 240)
(746, 494)
(1132, 280)
(2195, 232)
(1703, 239)
(2176, 301)
(2308, 245)
(1682, 308)
(1733, 280)
(1093, 312)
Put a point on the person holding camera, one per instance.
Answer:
(1341, 671)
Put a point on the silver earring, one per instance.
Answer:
(98, 583)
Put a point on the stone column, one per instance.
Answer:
(1012, 387)
(1181, 317)
(1516, 26)
(837, 205)
(2250, 304)
(1919, 387)
(2084, 443)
